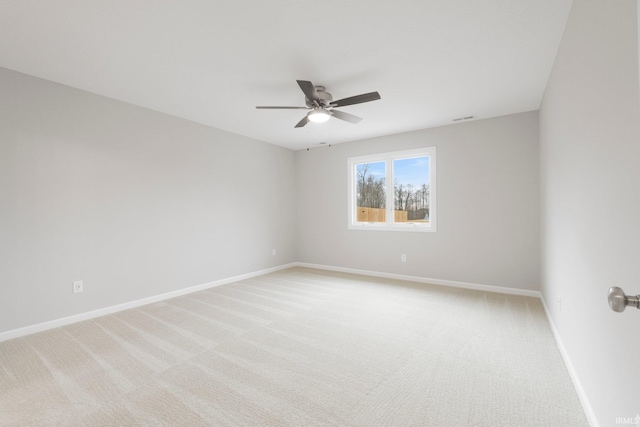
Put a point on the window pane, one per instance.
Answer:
(371, 192)
(411, 190)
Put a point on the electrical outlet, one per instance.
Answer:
(78, 286)
(403, 258)
(273, 252)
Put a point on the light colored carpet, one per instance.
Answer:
(298, 347)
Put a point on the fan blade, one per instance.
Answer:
(345, 116)
(282, 108)
(309, 91)
(302, 122)
(358, 99)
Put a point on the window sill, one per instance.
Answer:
(416, 228)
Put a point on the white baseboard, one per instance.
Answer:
(451, 283)
(27, 330)
(584, 400)
(39, 327)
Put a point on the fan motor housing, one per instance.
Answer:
(325, 97)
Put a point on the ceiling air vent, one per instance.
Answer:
(463, 118)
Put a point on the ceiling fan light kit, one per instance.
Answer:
(318, 115)
(322, 106)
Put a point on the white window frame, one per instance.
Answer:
(388, 158)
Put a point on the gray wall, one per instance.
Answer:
(590, 187)
(133, 202)
(488, 206)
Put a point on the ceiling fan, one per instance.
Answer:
(323, 106)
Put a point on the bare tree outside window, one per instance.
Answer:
(411, 188)
(371, 192)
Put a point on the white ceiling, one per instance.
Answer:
(213, 61)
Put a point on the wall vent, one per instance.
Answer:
(463, 118)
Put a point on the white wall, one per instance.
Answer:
(133, 202)
(488, 206)
(590, 187)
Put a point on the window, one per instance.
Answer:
(408, 205)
